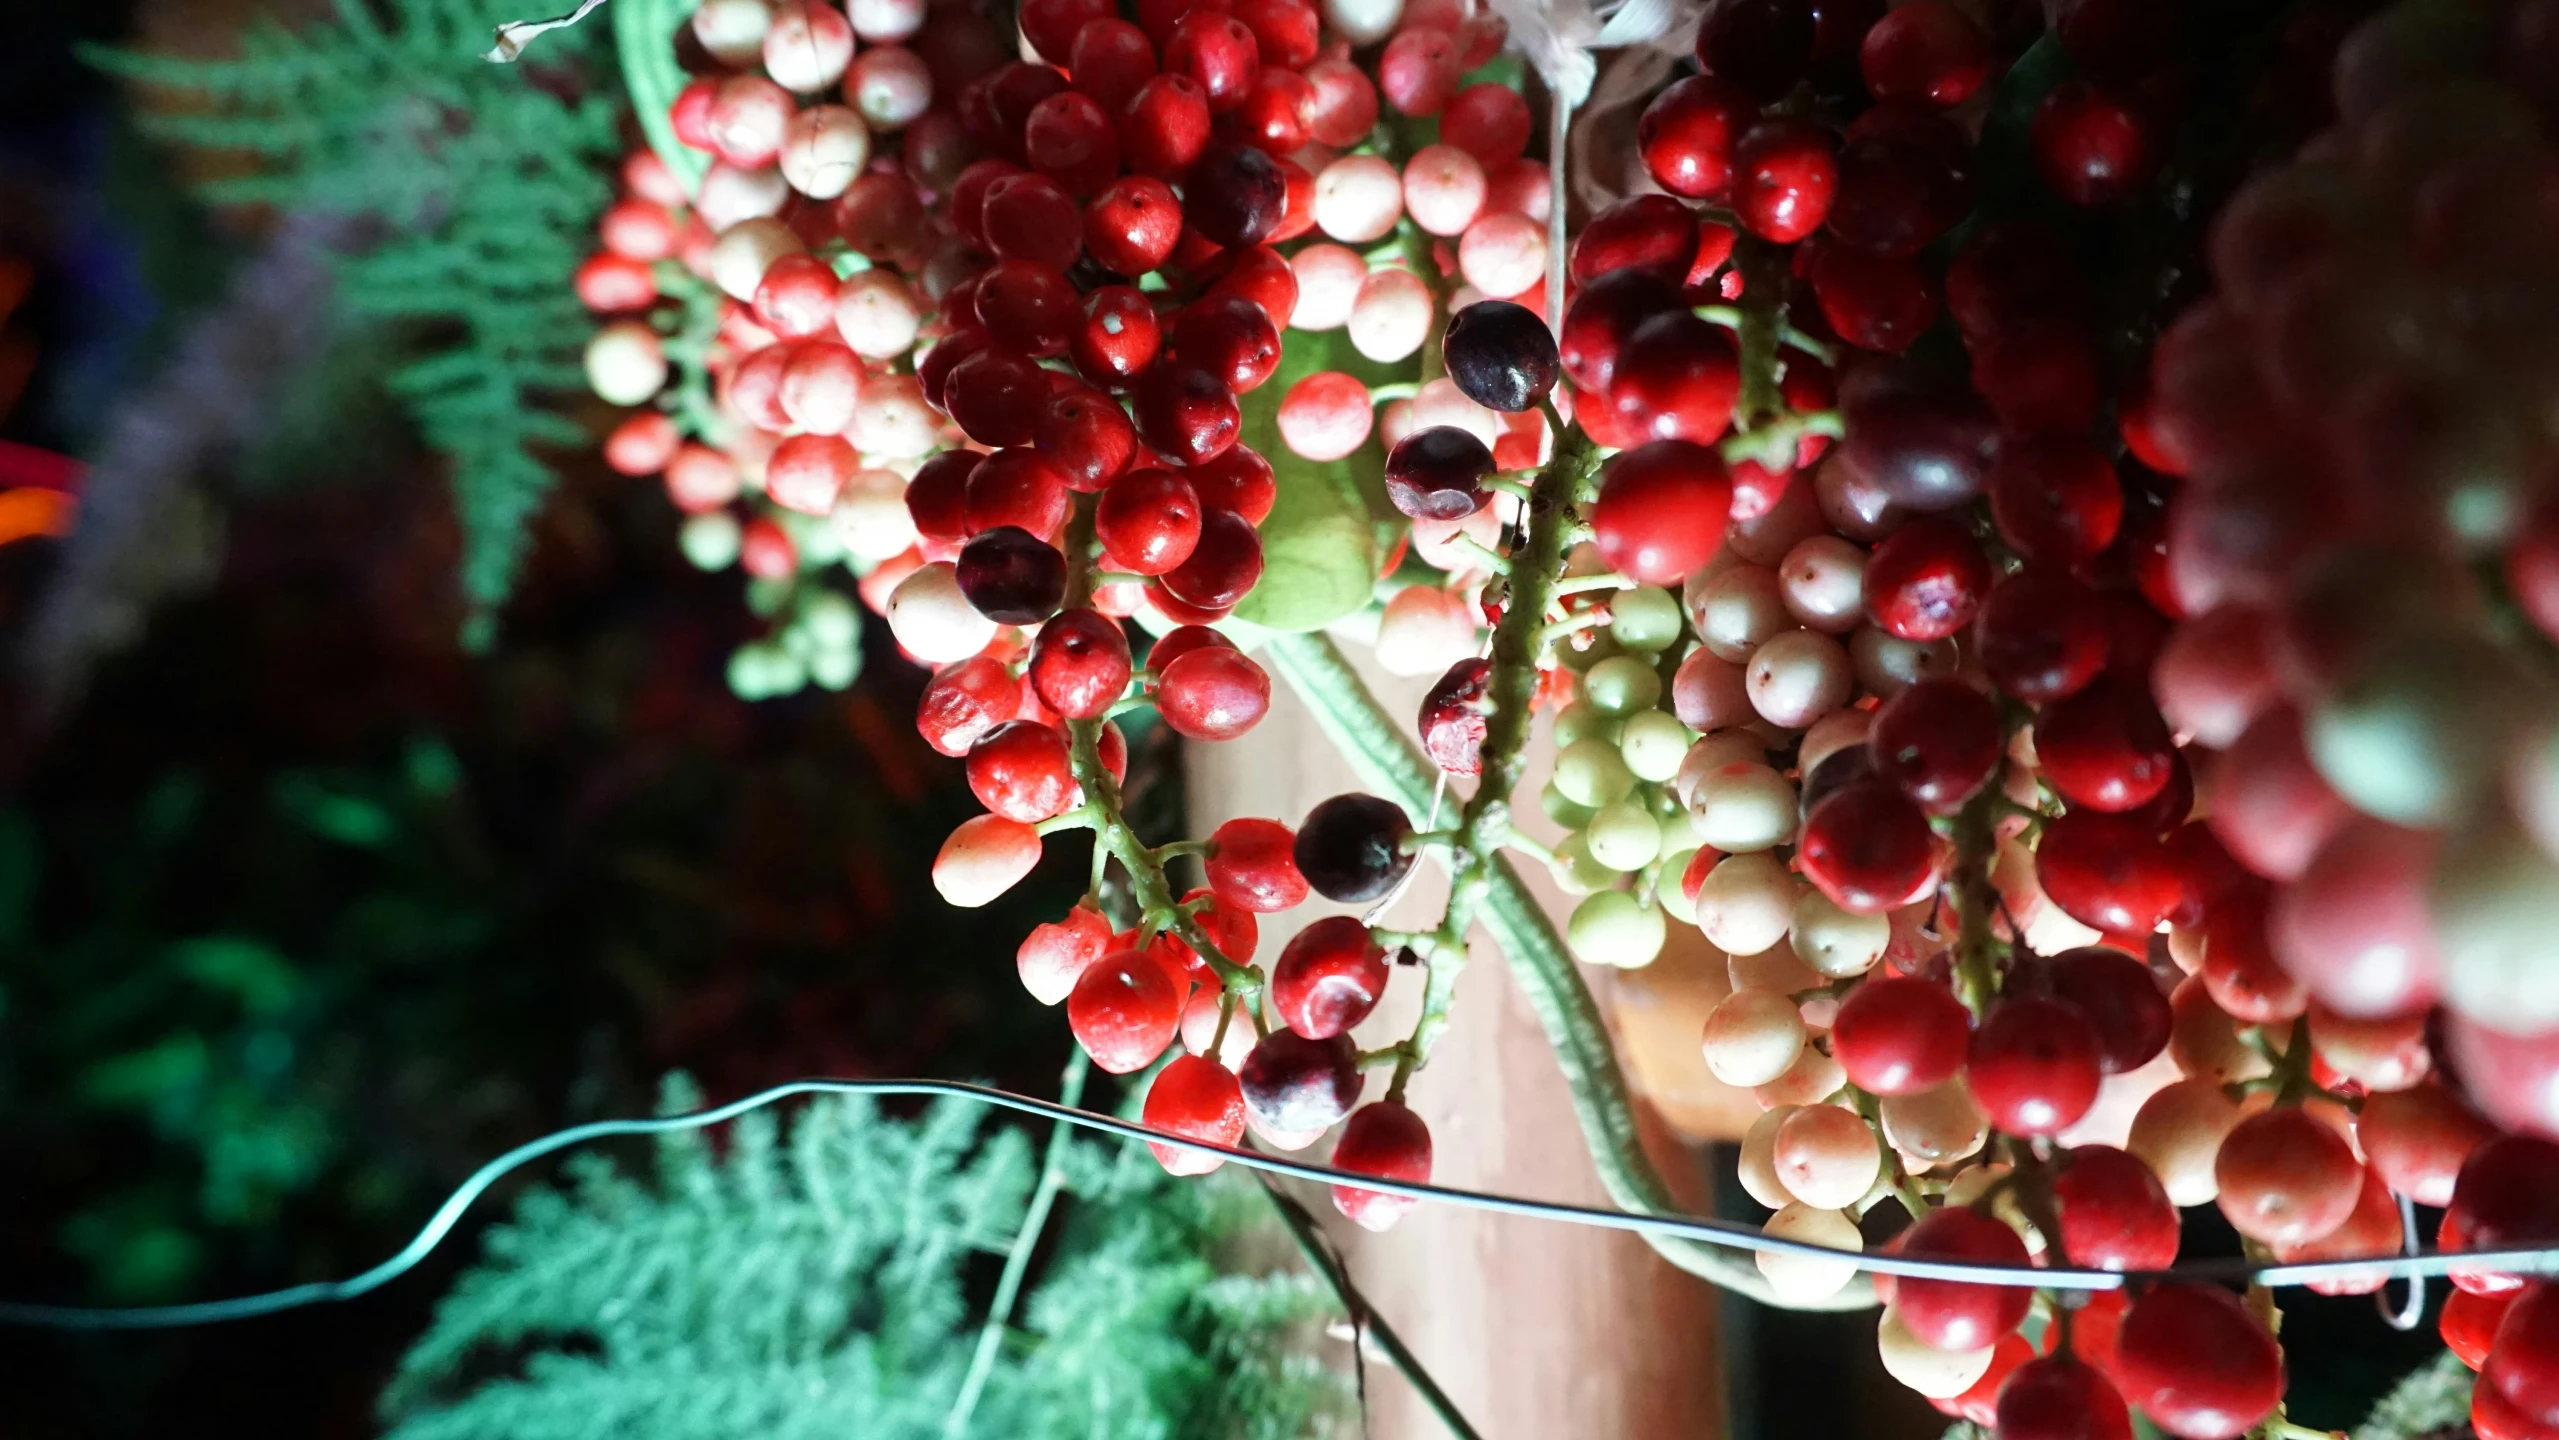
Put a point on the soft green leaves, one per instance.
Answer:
(1322, 545)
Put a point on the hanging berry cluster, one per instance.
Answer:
(2095, 770)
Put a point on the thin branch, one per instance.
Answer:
(1017, 1261)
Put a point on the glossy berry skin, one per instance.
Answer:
(2060, 1398)
(1298, 1086)
(2286, 1177)
(2056, 502)
(2469, 1324)
(1223, 567)
(2106, 747)
(2042, 636)
(1185, 412)
(1927, 580)
(1905, 178)
(1088, 436)
(1925, 53)
(1234, 195)
(2094, 146)
(2507, 1195)
(1663, 510)
(1212, 694)
(1011, 576)
(2523, 1363)
(1351, 848)
(1080, 664)
(1874, 302)
(963, 701)
(1389, 1141)
(1677, 377)
(1328, 978)
(2195, 1361)
(2118, 996)
(1148, 521)
(1653, 234)
(1456, 717)
(1501, 355)
(1119, 339)
(1198, 1099)
(1688, 133)
(1940, 741)
(1164, 127)
(2106, 871)
(1785, 172)
(1228, 336)
(1250, 866)
(1899, 1035)
(2115, 1215)
(1760, 45)
(995, 396)
(1124, 1010)
(1133, 225)
(2033, 1066)
(1950, 1314)
(1600, 318)
(1868, 848)
(1019, 771)
(1439, 473)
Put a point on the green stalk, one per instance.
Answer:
(1391, 764)
(1017, 1261)
(644, 41)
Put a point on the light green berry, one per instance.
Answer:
(1581, 721)
(1614, 928)
(1574, 871)
(1591, 772)
(1563, 809)
(765, 671)
(1622, 685)
(1622, 836)
(1667, 873)
(1654, 742)
(1645, 619)
(710, 540)
(830, 620)
(1580, 658)
(835, 669)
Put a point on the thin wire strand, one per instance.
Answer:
(1724, 1234)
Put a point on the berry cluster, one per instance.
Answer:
(2092, 785)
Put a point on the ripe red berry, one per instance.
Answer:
(2034, 1066)
(1228, 336)
(1053, 956)
(2060, 1397)
(1654, 234)
(1328, 978)
(2105, 871)
(1874, 302)
(1164, 127)
(1601, 317)
(1926, 581)
(1663, 509)
(2197, 1363)
(1119, 337)
(1132, 226)
(2094, 146)
(2105, 748)
(1234, 195)
(1899, 1035)
(964, 701)
(1019, 771)
(1251, 865)
(2469, 1324)
(1222, 568)
(1925, 53)
(2043, 636)
(1011, 576)
(1080, 664)
(1940, 741)
(1052, 25)
(1419, 70)
(995, 396)
(1185, 412)
(2114, 1213)
(1869, 849)
(1390, 1142)
(1198, 1099)
(1905, 178)
(1676, 378)
(1785, 172)
(2117, 995)
(1212, 694)
(1020, 487)
(2056, 502)
(1148, 521)
(1952, 1314)
(2286, 1177)
(1689, 132)
(1456, 717)
(1125, 1009)
(1110, 60)
(1239, 481)
(2241, 973)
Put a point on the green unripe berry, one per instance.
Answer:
(1591, 772)
(1645, 619)
(1622, 685)
(1666, 875)
(1622, 836)
(765, 671)
(1581, 721)
(1563, 809)
(710, 540)
(835, 669)
(1575, 872)
(1579, 658)
(1614, 928)
(830, 620)
(1654, 742)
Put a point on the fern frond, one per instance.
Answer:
(2433, 1397)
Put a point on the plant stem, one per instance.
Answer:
(1017, 1261)
(644, 41)
(1762, 316)
(1366, 1324)
(1390, 763)
(1976, 899)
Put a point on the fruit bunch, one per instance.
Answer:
(2090, 798)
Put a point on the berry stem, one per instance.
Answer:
(1389, 762)
(1017, 1260)
(1762, 315)
(1975, 899)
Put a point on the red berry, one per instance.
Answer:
(1251, 865)
(2241, 973)
(1052, 25)
(1418, 71)
(1926, 580)
(1028, 307)
(1234, 196)
(2105, 871)
(1662, 511)
(2056, 502)
(1212, 694)
(1940, 741)
(964, 701)
(1925, 53)
(1299, 1088)
(1110, 60)
(1239, 481)
(1164, 127)
(996, 395)
(1874, 302)
(2118, 996)
(1390, 1142)
(1055, 955)
(1027, 217)
(1676, 379)
(1655, 234)
(1020, 487)
(1080, 664)
(2114, 1213)
(1455, 717)
(1868, 848)
(1222, 568)
(1953, 1314)
(1763, 45)
(1287, 32)
(1148, 521)
(1688, 135)
(1119, 337)
(1328, 978)
(1899, 1035)
(1124, 1010)
(2094, 146)
(2105, 748)
(2033, 1065)
(1489, 122)
(2286, 1177)
(1185, 412)
(2197, 1363)
(1905, 178)
(2043, 635)
(1602, 316)
(1019, 770)
(1070, 139)
(1198, 1099)
(1011, 576)
(1785, 172)
(1228, 336)
(2061, 1398)
(2469, 1324)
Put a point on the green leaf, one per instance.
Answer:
(1320, 544)
(265, 981)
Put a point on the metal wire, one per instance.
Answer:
(1724, 1234)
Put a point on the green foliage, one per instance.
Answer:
(2433, 1398)
(1320, 544)
(480, 185)
(816, 1283)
